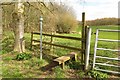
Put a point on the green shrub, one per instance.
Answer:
(97, 74)
(23, 56)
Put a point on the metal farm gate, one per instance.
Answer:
(96, 56)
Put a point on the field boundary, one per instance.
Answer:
(56, 36)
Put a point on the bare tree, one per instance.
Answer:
(18, 23)
(22, 17)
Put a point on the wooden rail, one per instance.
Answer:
(60, 36)
(68, 47)
(57, 45)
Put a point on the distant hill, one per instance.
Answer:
(102, 21)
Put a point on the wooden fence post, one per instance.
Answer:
(51, 46)
(83, 37)
(31, 40)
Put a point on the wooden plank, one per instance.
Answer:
(62, 59)
(73, 54)
(34, 44)
(60, 36)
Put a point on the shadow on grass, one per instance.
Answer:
(75, 65)
(49, 58)
(49, 66)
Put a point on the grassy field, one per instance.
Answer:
(30, 66)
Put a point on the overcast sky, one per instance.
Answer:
(94, 8)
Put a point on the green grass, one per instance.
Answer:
(97, 75)
(31, 67)
(59, 72)
(14, 73)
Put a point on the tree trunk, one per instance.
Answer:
(1, 28)
(18, 18)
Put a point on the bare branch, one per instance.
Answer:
(45, 7)
(6, 3)
(26, 16)
(35, 7)
(51, 3)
